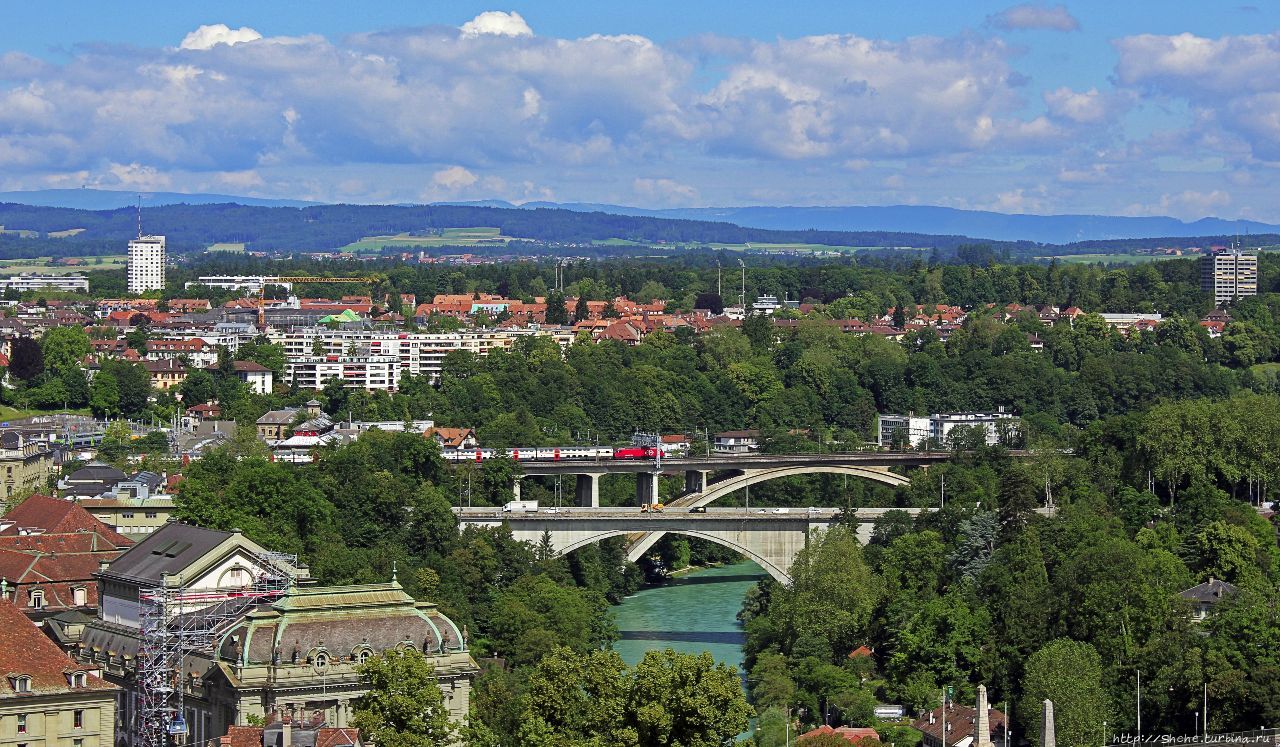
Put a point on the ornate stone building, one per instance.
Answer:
(295, 652)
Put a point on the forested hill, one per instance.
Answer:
(331, 226)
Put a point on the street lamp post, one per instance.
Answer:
(1139, 711)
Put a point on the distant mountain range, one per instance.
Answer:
(1043, 229)
(108, 199)
(918, 219)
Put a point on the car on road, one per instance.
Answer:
(779, 510)
(698, 510)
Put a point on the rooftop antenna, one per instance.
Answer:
(139, 216)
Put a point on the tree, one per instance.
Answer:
(64, 348)
(581, 310)
(26, 359)
(404, 706)
(556, 312)
(104, 395)
(1070, 674)
(710, 301)
(686, 699)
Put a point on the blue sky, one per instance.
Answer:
(1102, 107)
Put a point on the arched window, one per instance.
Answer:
(234, 578)
(37, 599)
(320, 662)
(363, 655)
(21, 683)
(79, 597)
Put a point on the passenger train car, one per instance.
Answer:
(553, 453)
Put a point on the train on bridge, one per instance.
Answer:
(555, 453)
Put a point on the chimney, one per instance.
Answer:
(1048, 735)
(286, 730)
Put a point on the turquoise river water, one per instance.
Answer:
(693, 613)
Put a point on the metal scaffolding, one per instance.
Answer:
(177, 622)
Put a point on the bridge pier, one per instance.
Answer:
(587, 490)
(695, 480)
(646, 488)
(515, 488)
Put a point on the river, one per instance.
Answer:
(693, 613)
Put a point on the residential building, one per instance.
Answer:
(166, 374)
(1207, 595)
(297, 652)
(25, 463)
(259, 378)
(737, 442)
(34, 282)
(146, 264)
(997, 425)
(1127, 322)
(1229, 275)
(49, 550)
(47, 699)
(251, 283)
(913, 431)
(850, 734)
(955, 725)
(908, 430)
(189, 305)
(194, 351)
(277, 425)
(292, 730)
(90, 481)
(453, 438)
(368, 372)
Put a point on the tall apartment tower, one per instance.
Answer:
(146, 264)
(1229, 275)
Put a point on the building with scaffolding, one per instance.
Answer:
(203, 629)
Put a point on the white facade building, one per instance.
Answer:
(31, 282)
(252, 283)
(366, 372)
(923, 431)
(418, 353)
(146, 264)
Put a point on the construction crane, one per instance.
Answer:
(262, 289)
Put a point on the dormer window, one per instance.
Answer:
(37, 599)
(78, 679)
(362, 654)
(21, 683)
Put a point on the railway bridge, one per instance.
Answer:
(772, 537)
(715, 475)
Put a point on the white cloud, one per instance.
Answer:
(1187, 205)
(454, 178)
(1033, 16)
(664, 192)
(135, 176)
(851, 97)
(1229, 83)
(497, 23)
(1087, 107)
(248, 179)
(209, 36)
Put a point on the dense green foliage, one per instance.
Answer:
(595, 700)
(404, 706)
(1067, 607)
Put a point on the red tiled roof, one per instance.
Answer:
(58, 516)
(24, 650)
(850, 733)
(960, 719)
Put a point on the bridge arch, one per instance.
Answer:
(746, 479)
(771, 567)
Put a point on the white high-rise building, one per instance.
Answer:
(146, 264)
